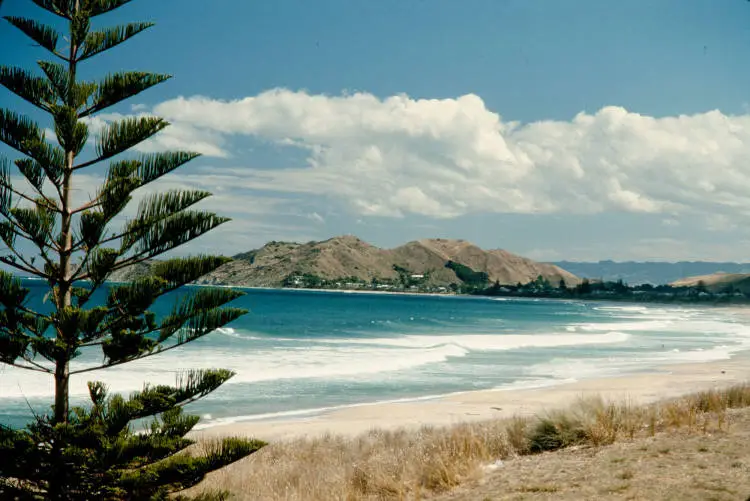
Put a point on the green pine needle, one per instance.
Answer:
(42, 34)
(100, 41)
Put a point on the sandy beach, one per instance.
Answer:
(670, 381)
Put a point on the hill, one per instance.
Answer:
(349, 257)
(717, 282)
(655, 273)
(131, 273)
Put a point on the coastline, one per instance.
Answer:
(669, 381)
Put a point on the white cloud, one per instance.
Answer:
(314, 216)
(449, 157)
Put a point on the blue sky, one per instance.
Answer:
(578, 130)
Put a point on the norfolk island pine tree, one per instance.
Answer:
(93, 452)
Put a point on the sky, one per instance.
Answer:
(578, 130)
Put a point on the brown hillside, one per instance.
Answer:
(717, 282)
(348, 256)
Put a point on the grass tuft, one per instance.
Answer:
(401, 465)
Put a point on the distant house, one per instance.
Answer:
(417, 275)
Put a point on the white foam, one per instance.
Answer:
(297, 413)
(534, 384)
(565, 369)
(488, 342)
(333, 358)
(251, 366)
(622, 308)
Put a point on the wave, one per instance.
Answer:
(333, 358)
(690, 326)
(302, 362)
(299, 413)
(310, 412)
(580, 368)
(487, 342)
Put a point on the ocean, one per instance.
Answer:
(300, 353)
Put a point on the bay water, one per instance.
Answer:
(298, 353)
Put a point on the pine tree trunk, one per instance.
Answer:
(62, 371)
(62, 379)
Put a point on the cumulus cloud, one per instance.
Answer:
(450, 157)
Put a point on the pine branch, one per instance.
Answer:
(158, 207)
(24, 135)
(14, 226)
(155, 165)
(38, 366)
(173, 231)
(71, 133)
(35, 175)
(49, 204)
(25, 267)
(100, 41)
(176, 273)
(57, 75)
(35, 90)
(17, 230)
(218, 316)
(37, 223)
(60, 8)
(184, 471)
(121, 86)
(98, 7)
(26, 367)
(120, 136)
(164, 236)
(144, 292)
(45, 36)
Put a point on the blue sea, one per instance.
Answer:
(299, 353)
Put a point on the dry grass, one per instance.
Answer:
(413, 465)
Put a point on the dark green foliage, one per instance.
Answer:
(34, 89)
(551, 434)
(120, 86)
(103, 459)
(620, 291)
(467, 275)
(94, 452)
(99, 41)
(42, 34)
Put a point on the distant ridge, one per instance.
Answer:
(348, 256)
(717, 282)
(635, 273)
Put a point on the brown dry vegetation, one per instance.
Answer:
(411, 465)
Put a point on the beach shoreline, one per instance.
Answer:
(668, 381)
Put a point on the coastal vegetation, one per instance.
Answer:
(475, 283)
(93, 451)
(427, 462)
(620, 291)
